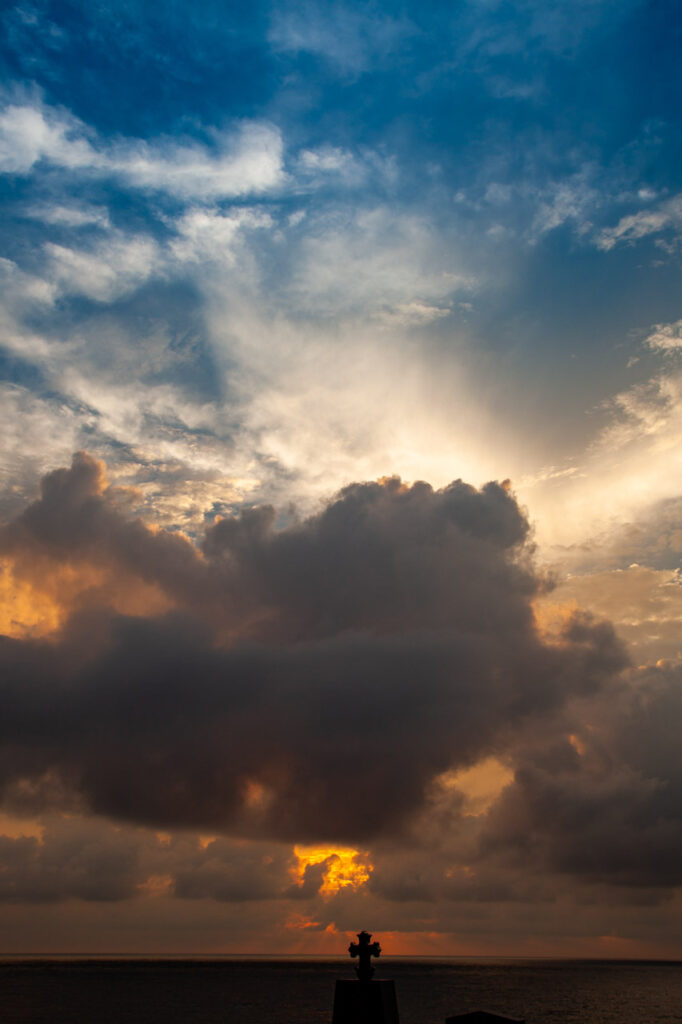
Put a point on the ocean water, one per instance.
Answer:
(269, 991)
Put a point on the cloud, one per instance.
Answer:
(350, 40)
(209, 235)
(412, 314)
(30, 133)
(391, 633)
(74, 859)
(24, 291)
(106, 271)
(625, 478)
(665, 337)
(70, 216)
(247, 160)
(634, 226)
(566, 201)
(372, 262)
(643, 603)
(37, 432)
(606, 806)
(79, 858)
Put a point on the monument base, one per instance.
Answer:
(365, 1002)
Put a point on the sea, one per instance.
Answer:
(266, 990)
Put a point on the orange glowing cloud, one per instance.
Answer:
(37, 597)
(45, 576)
(24, 609)
(480, 785)
(345, 868)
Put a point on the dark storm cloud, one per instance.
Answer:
(92, 860)
(74, 859)
(77, 518)
(610, 811)
(223, 870)
(311, 681)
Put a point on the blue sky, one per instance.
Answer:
(492, 184)
(254, 253)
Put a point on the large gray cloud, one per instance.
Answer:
(92, 860)
(311, 680)
(607, 807)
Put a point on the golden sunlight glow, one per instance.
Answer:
(18, 828)
(481, 784)
(256, 796)
(156, 885)
(299, 922)
(344, 867)
(24, 611)
(393, 482)
(551, 617)
(36, 599)
(577, 744)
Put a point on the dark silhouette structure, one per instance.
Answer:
(373, 1002)
(364, 949)
(365, 1001)
(482, 1017)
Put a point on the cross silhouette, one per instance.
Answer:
(364, 949)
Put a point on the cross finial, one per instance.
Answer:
(364, 949)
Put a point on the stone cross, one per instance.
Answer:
(364, 949)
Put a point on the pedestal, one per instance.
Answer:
(482, 1017)
(365, 1002)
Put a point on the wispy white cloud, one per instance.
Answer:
(666, 337)
(37, 433)
(106, 271)
(207, 234)
(412, 314)
(23, 296)
(665, 215)
(373, 262)
(21, 288)
(246, 160)
(633, 463)
(333, 165)
(570, 200)
(31, 132)
(349, 39)
(71, 215)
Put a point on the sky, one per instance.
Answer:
(341, 477)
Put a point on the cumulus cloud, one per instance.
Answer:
(644, 604)
(606, 806)
(390, 633)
